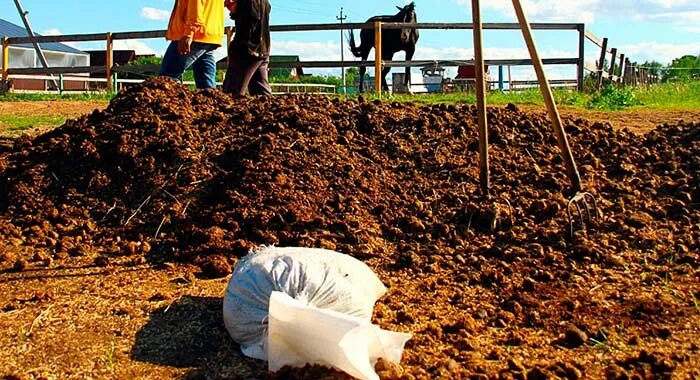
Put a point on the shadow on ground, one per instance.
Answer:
(190, 333)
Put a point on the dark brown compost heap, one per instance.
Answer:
(201, 177)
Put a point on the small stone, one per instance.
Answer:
(481, 314)
(20, 265)
(145, 247)
(132, 248)
(514, 307)
(615, 261)
(101, 261)
(528, 284)
(40, 256)
(216, 266)
(571, 372)
(515, 365)
(388, 370)
(574, 337)
(663, 333)
(537, 374)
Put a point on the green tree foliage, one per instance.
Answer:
(654, 67)
(684, 68)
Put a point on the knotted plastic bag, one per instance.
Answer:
(320, 310)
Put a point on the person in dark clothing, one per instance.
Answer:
(249, 52)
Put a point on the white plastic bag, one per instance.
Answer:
(324, 286)
(301, 334)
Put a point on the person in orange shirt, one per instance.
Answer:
(195, 30)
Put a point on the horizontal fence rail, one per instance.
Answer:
(109, 69)
(622, 72)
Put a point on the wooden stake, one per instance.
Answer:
(601, 62)
(378, 57)
(109, 61)
(5, 59)
(480, 86)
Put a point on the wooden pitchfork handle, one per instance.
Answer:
(546, 90)
(480, 85)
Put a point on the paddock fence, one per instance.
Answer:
(112, 72)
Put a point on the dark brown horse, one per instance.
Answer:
(393, 41)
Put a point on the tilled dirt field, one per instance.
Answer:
(489, 291)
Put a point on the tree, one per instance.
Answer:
(683, 68)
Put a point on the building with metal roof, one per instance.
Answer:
(25, 56)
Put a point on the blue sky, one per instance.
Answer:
(643, 29)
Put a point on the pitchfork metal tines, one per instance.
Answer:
(582, 202)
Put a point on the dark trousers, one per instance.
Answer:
(245, 72)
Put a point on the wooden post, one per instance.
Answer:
(581, 52)
(480, 86)
(601, 62)
(5, 59)
(109, 61)
(611, 70)
(622, 69)
(378, 57)
(500, 78)
(510, 80)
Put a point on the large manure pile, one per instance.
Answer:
(169, 174)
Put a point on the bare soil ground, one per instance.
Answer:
(82, 297)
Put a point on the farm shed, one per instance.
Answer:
(57, 55)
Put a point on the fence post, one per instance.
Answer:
(378, 57)
(60, 83)
(581, 53)
(109, 61)
(500, 78)
(601, 62)
(115, 81)
(5, 59)
(622, 69)
(611, 70)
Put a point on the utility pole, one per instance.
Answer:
(342, 18)
(40, 53)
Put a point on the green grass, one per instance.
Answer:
(678, 95)
(13, 126)
(531, 96)
(674, 96)
(85, 96)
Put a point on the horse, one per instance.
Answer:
(393, 41)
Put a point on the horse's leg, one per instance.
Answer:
(409, 55)
(386, 57)
(363, 70)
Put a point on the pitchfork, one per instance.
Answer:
(582, 203)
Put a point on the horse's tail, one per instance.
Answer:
(355, 50)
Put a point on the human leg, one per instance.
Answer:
(204, 67)
(172, 65)
(259, 84)
(240, 70)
